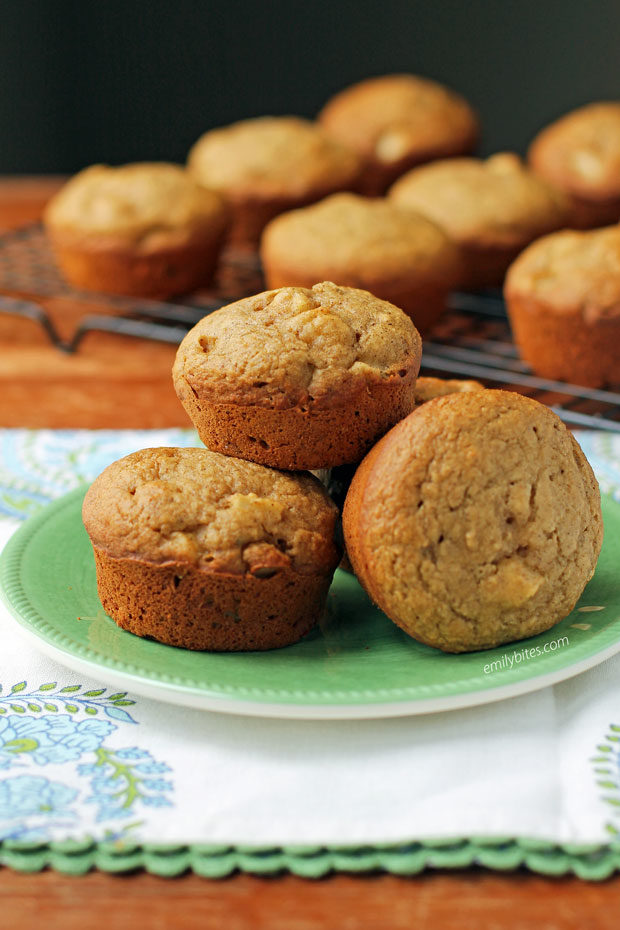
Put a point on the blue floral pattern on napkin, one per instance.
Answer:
(118, 783)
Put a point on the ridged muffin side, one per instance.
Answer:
(145, 229)
(202, 551)
(299, 378)
(491, 209)
(267, 165)
(563, 299)
(579, 154)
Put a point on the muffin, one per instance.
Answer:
(428, 388)
(580, 155)
(146, 229)
(202, 551)
(395, 254)
(475, 521)
(299, 378)
(397, 121)
(492, 209)
(563, 300)
(267, 165)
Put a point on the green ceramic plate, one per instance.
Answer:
(355, 664)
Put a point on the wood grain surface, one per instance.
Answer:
(123, 383)
(471, 900)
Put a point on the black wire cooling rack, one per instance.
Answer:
(472, 340)
(29, 278)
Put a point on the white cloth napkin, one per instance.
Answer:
(154, 773)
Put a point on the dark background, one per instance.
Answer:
(125, 80)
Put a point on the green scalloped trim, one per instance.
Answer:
(591, 862)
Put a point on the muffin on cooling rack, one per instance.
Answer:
(428, 388)
(299, 378)
(202, 551)
(580, 155)
(267, 165)
(475, 521)
(144, 229)
(395, 254)
(397, 121)
(492, 209)
(563, 300)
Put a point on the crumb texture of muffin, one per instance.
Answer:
(202, 551)
(146, 229)
(563, 300)
(270, 164)
(397, 255)
(299, 378)
(475, 522)
(580, 155)
(397, 121)
(492, 209)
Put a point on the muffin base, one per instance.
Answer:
(180, 605)
(303, 437)
(564, 346)
(123, 269)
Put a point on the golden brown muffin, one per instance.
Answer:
(428, 388)
(579, 154)
(492, 209)
(202, 551)
(397, 121)
(299, 378)
(395, 254)
(267, 165)
(145, 229)
(475, 521)
(563, 300)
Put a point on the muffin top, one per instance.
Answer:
(571, 271)
(218, 513)
(477, 520)
(289, 346)
(492, 202)
(271, 157)
(138, 203)
(580, 152)
(392, 117)
(363, 238)
(428, 388)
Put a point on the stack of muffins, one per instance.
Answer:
(470, 516)
(474, 521)
(212, 549)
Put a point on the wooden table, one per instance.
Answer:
(39, 386)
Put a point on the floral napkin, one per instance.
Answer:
(79, 757)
